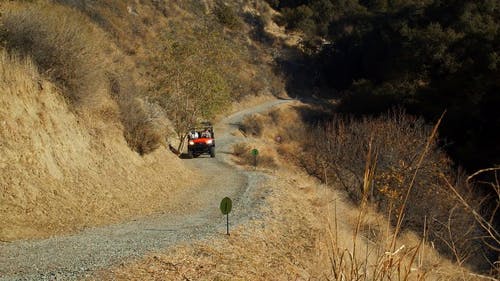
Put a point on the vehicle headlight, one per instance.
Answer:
(210, 141)
(191, 142)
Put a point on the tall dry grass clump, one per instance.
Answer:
(64, 44)
(275, 123)
(393, 164)
(253, 125)
(384, 252)
(409, 187)
(145, 125)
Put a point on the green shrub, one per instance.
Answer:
(299, 18)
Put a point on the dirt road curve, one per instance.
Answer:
(75, 256)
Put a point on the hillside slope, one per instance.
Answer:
(86, 102)
(86, 96)
(61, 171)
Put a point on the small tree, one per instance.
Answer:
(183, 113)
(191, 84)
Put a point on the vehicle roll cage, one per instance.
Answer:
(203, 126)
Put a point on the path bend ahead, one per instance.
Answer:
(72, 257)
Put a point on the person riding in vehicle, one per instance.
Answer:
(193, 135)
(206, 133)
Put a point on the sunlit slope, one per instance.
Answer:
(89, 99)
(61, 171)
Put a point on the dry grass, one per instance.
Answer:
(283, 123)
(485, 218)
(265, 159)
(225, 64)
(284, 246)
(145, 124)
(402, 181)
(398, 261)
(89, 69)
(65, 46)
(253, 125)
(332, 154)
(59, 173)
(226, 15)
(86, 100)
(306, 233)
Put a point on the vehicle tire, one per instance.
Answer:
(212, 152)
(190, 155)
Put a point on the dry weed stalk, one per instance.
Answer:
(371, 163)
(410, 187)
(396, 263)
(487, 224)
(388, 265)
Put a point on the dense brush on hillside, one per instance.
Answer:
(88, 68)
(201, 52)
(428, 57)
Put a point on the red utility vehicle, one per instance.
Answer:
(201, 140)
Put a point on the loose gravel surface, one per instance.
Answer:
(75, 256)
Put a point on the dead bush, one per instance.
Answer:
(253, 125)
(335, 152)
(145, 124)
(290, 129)
(241, 149)
(64, 44)
(275, 124)
(266, 160)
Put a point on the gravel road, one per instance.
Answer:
(74, 256)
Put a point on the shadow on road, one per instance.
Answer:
(185, 156)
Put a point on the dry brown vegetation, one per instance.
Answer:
(401, 178)
(59, 173)
(266, 158)
(64, 45)
(188, 62)
(91, 72)
(307, 232)
(79, 99)
(335, 152)
(132, 50)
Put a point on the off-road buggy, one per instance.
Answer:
(201, 140)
